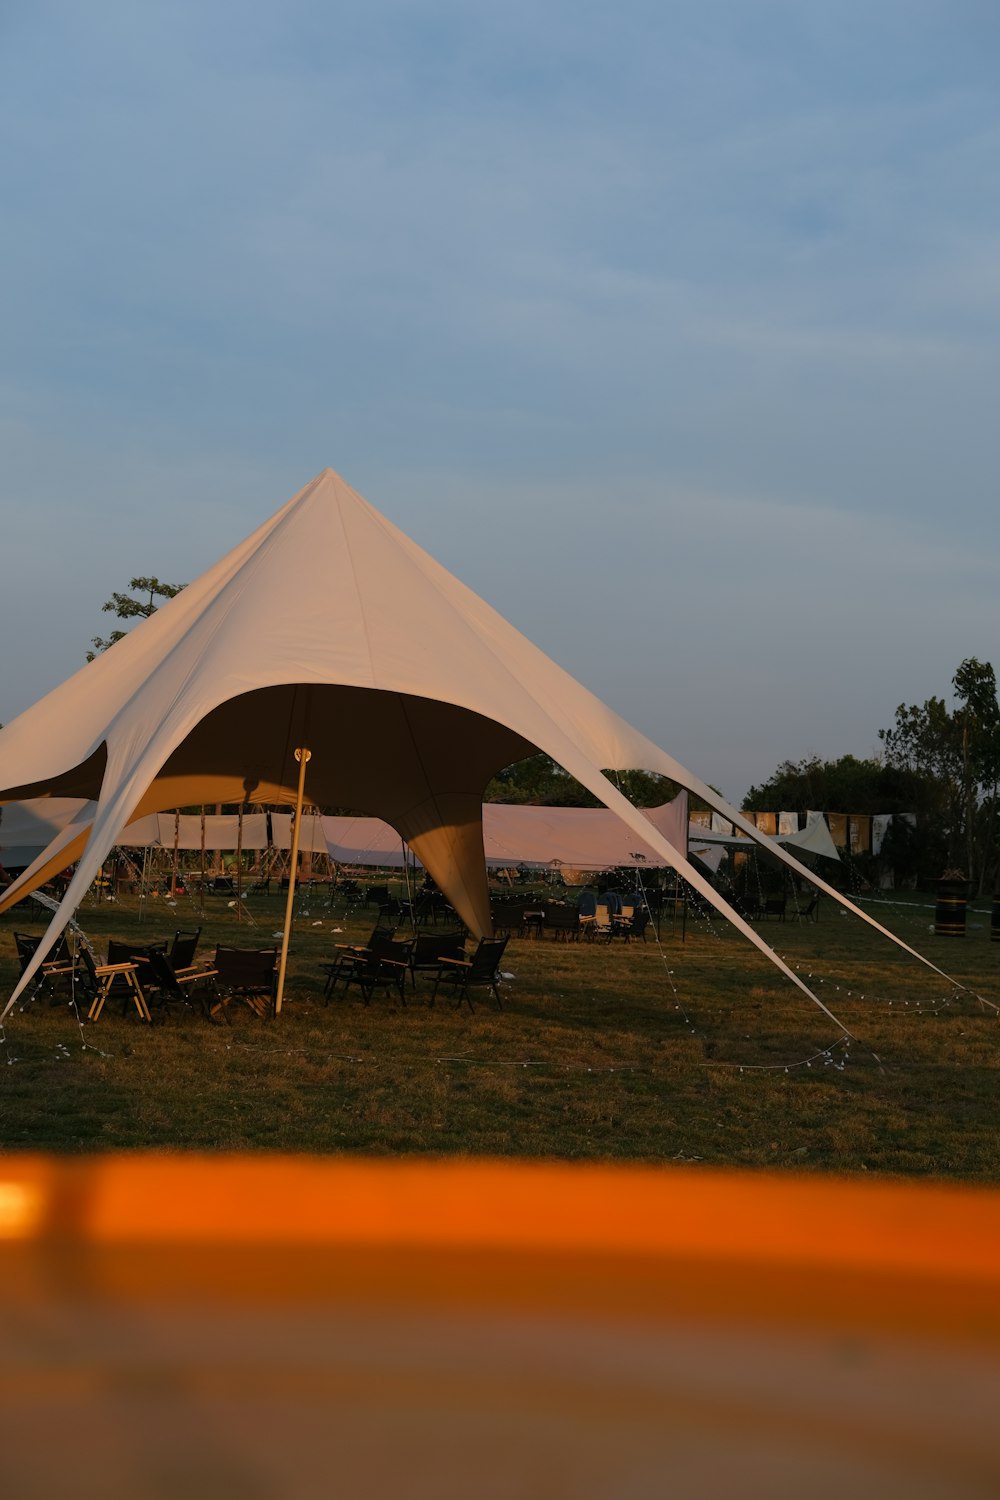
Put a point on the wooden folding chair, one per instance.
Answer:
(101, 977)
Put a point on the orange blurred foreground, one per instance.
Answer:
(288, 1326)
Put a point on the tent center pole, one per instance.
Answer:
(177, 840)
(201, 886)
(303, 756)
(239, 864)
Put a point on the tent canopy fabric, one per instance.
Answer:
(312, 837)
(813, 839)
(586, 838)
(304, 635)
(363, 841)
(28, 828)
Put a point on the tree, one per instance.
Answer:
(958, 751)
(870, 786)
(847, 785)
(127, 608)
(539, 781)
(978, 720)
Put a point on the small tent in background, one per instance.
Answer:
(329, 630)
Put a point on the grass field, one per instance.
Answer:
(670, 1051)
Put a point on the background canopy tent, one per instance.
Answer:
(812, 840)
(586, 838)
(329, 629)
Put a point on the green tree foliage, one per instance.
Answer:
(850, 785)
(958, 750)
(540, 782)
(126, 607)
(847, 785)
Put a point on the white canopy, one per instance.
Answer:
(305, 635)
(813, 839)
(312, 838)
(363, 841)
(585, 838)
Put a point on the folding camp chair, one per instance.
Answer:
(183, 949)
(131, 953)
(55, 974)
(586, 907)
(481, 971)
(637, 925)
(99, 979)
(384, 967)
(563, 921)
(430, 949)
(176, 985)
(247, 974)
(423, 909)
(600, 925)
(350, 955)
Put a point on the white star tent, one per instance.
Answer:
(329, 629)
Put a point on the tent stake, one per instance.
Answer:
(303, 756)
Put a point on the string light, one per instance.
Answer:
(827, 1053)
(665, 961)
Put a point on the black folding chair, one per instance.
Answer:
(637, 926)
(563, 921)
(55, 974)
(183, 949)
(482, 971)
(175, 986)
(382, 968)
(350, 955)
(430, 949)
(247, 974)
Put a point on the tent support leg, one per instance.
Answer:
(303, 756)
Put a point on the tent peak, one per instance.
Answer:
(326, 475)
(330, 485)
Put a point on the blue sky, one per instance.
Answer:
(671, 328)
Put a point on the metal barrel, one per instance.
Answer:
(949, 913)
